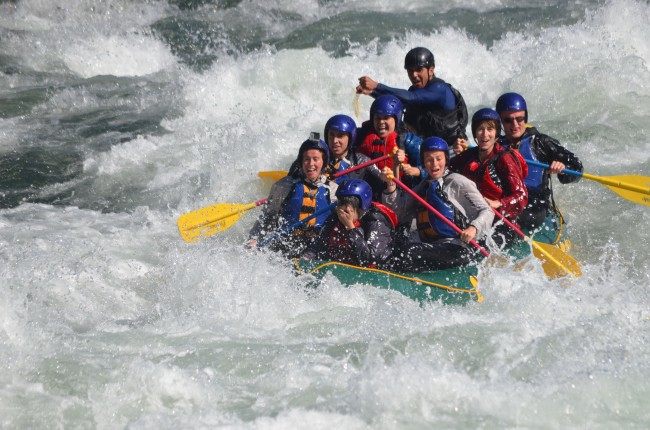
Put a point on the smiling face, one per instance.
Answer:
(312, 164)
(384, 125)
(420, 77)
(514, 124)
(434, 163)
(338, 142)
(486, 135)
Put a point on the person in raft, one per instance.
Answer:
(294, 198)
(433, 107)
(340, 134)
(456, 197)
(383, 133)
(497, 171)
(359, 232)
(533, 145)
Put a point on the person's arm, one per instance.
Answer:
(268, 220)
(515, 196)
(550, 150)
(478, 212)
(401, 202)
(437, 95)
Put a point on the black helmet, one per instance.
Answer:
(419, 57)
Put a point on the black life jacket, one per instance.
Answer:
(447, 124)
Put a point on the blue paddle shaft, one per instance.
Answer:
(567, 171)
(295, 225)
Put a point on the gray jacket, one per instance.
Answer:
(462, 194)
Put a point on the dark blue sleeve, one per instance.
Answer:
(436, 94)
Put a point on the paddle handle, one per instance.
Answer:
(438, 214)
(295, 225)
(546, 166)
(362, 165)
(605, 181)
(510, 224)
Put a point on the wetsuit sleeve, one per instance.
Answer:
(372, 243)
(269, 220)
(515, 196)
(549, 150)
(437, 95)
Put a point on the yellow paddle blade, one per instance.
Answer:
(275, 175)
(555, 262)
(210, 220)
(635, 188)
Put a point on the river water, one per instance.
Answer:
(118, 116)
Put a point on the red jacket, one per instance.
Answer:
(499, 177)
(373, 146)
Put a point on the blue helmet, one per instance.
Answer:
(433, 144)
(512, 102)
(358, 188)
(389, 106)
(314, 142)
(484, 115)
(342, 123)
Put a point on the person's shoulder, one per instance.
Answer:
(453, 178)
(358, 158)
(438, 84)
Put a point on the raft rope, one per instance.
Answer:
(473, 279)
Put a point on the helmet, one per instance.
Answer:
(342, 123)
(419, 57)
(433, 144)
(358, 188)
(387, 105)
(483, 115)
(314, 142)
(512, 101)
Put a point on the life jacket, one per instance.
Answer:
(304, 200)
(430, 226)
(486, 177)
(338, 166)
(374, 146)
(447, 124)
(535, 178)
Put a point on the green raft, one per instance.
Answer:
(456, 285)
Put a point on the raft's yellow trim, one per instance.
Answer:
(473, 279)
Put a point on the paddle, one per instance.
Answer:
(438, 214)
(289, 228)
(212, 219)
(635, 188)
(275, 175)
(555, 262)
(279, 174)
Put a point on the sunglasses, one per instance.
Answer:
(512, 120)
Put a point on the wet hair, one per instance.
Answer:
(353, 201)
(496, 124)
